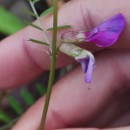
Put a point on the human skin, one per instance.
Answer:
(73, 105)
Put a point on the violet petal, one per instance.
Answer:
(88, 63)
(107, 32)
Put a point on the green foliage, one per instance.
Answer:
(40, 89)
(60, 27)
(49, 10)
(29, 13)
(4, 117)
(18, 109)
(9, 23)
(28, 98)
(15, 105)
(37, 41)
(35, 1)
(33, 25)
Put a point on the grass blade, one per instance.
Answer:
(9, 23)
(4, 117)
(16, 106)
(28, 12)
(28, 98)
(35, 1)
(49, 10)
(41, 89)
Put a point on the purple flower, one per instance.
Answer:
(106, 33)
(87, 61)
(103, 35)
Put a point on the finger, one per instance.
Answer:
(115, 113)
(123, 120)
(72, 103)
(19, 57)
(109, 114)
(120, 128)
(80, 129)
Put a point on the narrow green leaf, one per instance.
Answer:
(28, 98)
(33, 25)
(9, 23)
(28, 12)
(49, 10)
(4, 117)
(60, 27)
(37, 41)
(41, 89)
(16, 106)
(35, 1)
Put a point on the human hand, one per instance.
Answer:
(73, 105)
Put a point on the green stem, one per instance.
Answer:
(52, 66)
(39, 21)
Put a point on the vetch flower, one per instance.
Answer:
(103, 35)
(84, 57)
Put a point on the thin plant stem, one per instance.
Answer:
(52, 66)
(39, 22)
